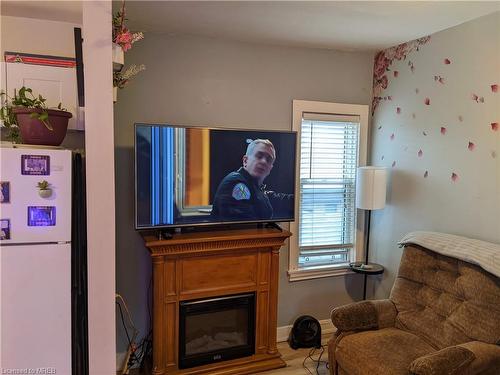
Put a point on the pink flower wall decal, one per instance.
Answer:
(477, 98)
(443, 130)
(471, 146)
(396, 73)
(398, 110)
(494, 126)
(426, 174)
(392, 137)
(447, 61)
(420, 153)
(393, 164)
(427, 101)
(454, 177)
(439, 79)
(494, 88)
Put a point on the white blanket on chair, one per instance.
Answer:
(485, 254)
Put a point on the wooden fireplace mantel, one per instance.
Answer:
(210, 264)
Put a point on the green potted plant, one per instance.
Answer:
(44, 189)
(29, 120)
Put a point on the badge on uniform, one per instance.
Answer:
(241, 192)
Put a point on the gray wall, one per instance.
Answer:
(201, 81)
(470, 205)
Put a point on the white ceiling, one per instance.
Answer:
(344, 25)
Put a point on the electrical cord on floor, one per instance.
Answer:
(318, 361)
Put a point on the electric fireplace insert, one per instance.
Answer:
(216, 329)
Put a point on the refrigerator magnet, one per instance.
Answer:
(38, 165)
(4, 229)
(41, 216)
(4, 192)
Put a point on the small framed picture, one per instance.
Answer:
(4, 229)
(4, 192)
(38, 165)
(41, 216)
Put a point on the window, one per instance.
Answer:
(332, 143)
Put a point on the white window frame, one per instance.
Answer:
(295, 273)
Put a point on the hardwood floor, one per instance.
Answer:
(293, 359)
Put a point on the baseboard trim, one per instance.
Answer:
(283, 332)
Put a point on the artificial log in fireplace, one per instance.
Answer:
(212, 268)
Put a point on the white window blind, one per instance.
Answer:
(328, 161)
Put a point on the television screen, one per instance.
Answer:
(189, 176)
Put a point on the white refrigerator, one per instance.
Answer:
(35, 261)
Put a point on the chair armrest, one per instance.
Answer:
(364, 315)
(473, 357)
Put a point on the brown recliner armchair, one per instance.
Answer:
(442, 317)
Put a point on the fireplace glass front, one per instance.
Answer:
(216, 329)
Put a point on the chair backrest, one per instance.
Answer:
(444, 300)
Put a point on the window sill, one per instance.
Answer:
(317, 273)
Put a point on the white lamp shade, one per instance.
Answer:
(371, 188)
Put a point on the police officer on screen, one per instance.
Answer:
(241, 195)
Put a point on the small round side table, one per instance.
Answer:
(366, 269)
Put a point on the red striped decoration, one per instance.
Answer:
(39, 60)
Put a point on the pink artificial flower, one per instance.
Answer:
(443, 130)
(124, 39)
(447, 61)
(494, 88)
(398, 110)
(471, 146)
(454, 177)
(420, 153)
(396, 73)
(427, 101)
(494, 126)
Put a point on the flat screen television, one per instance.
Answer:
(189, 176)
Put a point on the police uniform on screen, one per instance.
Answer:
(240, 197)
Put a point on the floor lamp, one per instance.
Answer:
(371, 186)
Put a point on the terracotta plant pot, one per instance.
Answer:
(34, 132)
